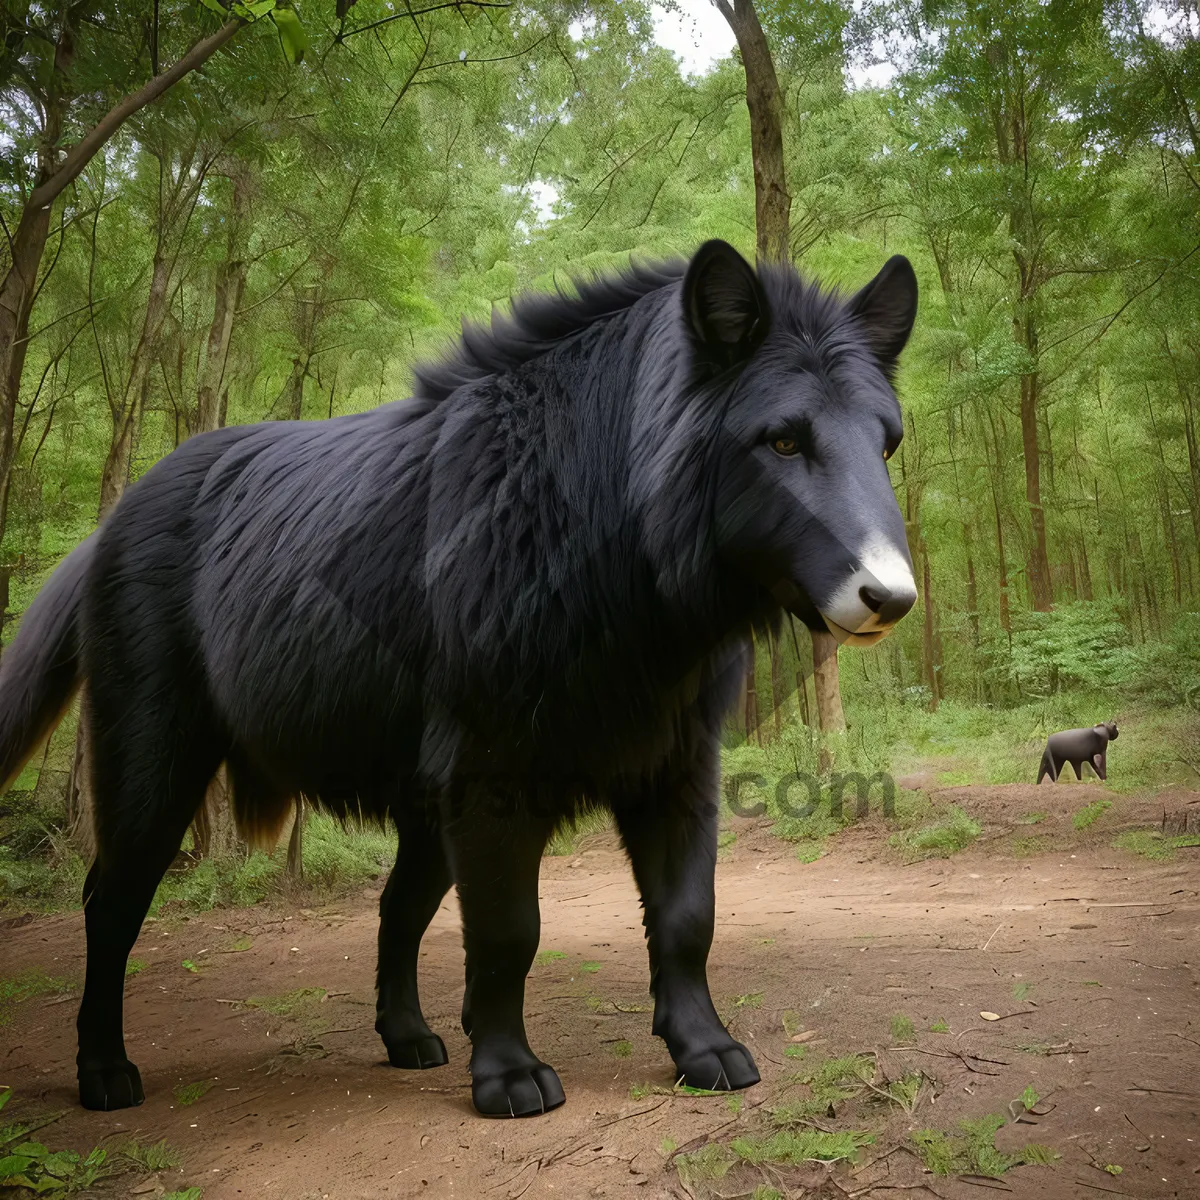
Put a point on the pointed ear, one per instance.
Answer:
(887, 308)
(724, 304)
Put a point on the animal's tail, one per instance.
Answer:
(39, 672)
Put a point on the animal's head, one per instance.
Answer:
(1109, 727)
(805, 505)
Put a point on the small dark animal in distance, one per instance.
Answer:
(527, 589)
(1078, 746)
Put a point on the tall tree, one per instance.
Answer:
(764, 99)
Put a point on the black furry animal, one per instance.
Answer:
(1078, 746)
(526, 589)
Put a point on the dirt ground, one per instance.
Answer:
(1088, 955)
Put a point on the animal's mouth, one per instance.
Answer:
(847, 638)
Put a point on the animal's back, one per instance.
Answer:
(261, 552)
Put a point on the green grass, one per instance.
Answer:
(749, 1000)
(781, 1148)
(622, 1049)
(639, 1091)
(26, 985)
(288, 1004)
(839, 1078)
(545, 957)
(1153, 845)
(337, 860)
(590, 968)
(903, 1030)
(189, 1093)
(1026, 847)
(940, 1026)
(566, 838)
(791, 1147)
(1090, 814)
(135, 966)
(158, 1156)
(1004, 744)
(30, 1166)
(940, 838)
(971, 1149)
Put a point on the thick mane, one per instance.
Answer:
(537, 322)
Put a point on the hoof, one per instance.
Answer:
(418, 1053)
(727, 1069)
(107, 1088)
(520, 1092)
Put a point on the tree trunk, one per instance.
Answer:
(295, 850)
(776, 683)
(128, 408)
(829, 695)
(231, 280)
(227, 296)
(929, 648)
(1039, 562)
(55, 172)
(772, 201)
(19, 287)
(972, 594)
(751, 711)
(214, 834)
(825, 676)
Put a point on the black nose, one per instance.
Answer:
(885, 603)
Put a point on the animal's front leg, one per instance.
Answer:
(671, 837)
(496, 850)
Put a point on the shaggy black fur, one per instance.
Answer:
(527, 588)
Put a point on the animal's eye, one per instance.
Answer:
(887, 454)
(785, 446)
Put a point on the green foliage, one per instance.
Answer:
(1149, 843)
(288, 1004)
(189, 1093)
(1080, 645)
(1090, 814)
(903, 1029)
(28, 1165)
(939, 839)
(971, 1149)
(544, 957)
(550, 139)
(791, 1147)
(566, 838)
(51, 1172)
(26, 985)
(158, 1156)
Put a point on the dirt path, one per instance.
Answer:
(1089, 954)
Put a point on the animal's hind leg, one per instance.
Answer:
(419, 881)
(150, 767)
(1047, 768)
